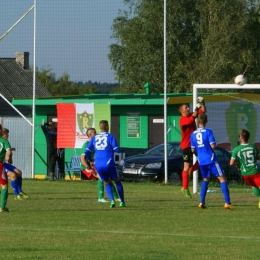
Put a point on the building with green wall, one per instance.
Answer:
(137, 120)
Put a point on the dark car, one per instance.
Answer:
(150, 165)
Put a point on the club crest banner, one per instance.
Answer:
(75, 119)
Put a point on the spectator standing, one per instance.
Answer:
(54, 154)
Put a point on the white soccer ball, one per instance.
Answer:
(240, 80)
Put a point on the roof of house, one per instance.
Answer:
(17, 82)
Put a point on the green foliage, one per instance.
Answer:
(208, 41)
(63, 220)
(63, 86)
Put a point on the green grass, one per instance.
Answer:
(63, 220)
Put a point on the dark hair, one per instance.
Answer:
(202, 118)
(5, 131)
(91, 129)
(245, 135)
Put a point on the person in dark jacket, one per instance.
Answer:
(54, 154)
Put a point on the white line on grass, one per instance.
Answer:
(124, 232)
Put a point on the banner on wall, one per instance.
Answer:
(74, 119)
(227, 120)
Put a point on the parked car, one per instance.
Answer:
(150, 165)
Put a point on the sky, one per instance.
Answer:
(72, 36)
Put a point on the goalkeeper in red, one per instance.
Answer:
(203, 142)
(187, 126)
(247, 155)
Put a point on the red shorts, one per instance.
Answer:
(252, 180)
(89, 174)
(3, 175)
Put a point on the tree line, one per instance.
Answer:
(63, 86)
(208, 41)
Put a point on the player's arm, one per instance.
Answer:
(88, 151)
(83, 161)
(234, 163)
(196, 111)
(192, 144)
(201, 101)
(213, 145)
(115, 145)
(8, 155)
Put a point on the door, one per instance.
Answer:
(156, 130)
(114, 128)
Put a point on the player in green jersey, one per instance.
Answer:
(13, 173)
(245, 157)
(5, 155)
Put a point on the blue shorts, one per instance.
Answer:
(106, 172)
(9, 167)
(214, 168)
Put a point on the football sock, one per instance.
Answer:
(203, 191)
(225, 191)
(185, 179)
(19, 181)
(120, 190)
(109, 191)
(114, 190)
(256, 191)
(14, 185)
(4, 196)
(100, 187)
(194, 167)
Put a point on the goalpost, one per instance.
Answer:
(33, 7)
(236, 97)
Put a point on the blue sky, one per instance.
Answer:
(71, 36)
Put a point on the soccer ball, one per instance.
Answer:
(240, 80)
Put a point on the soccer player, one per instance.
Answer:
(187, 126)
(104, 145)
(247, 156)
(203, 142)
(5, 155)
(14, 173)
(91, 173)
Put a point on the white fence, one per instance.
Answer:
(20, 138)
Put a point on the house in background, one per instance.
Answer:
(16, 81)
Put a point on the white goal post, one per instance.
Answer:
(229, 87)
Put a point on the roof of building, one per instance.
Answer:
(135, 99)
(17, 82)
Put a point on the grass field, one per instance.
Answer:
(63, 220)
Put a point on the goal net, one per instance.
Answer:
(229, 112)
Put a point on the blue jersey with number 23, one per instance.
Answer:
(104, 145)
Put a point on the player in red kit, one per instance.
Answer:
(187, 126)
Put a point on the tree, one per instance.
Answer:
(63, 86)
(208, 41)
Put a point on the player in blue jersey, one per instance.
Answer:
(104, 146)
(203, 142)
